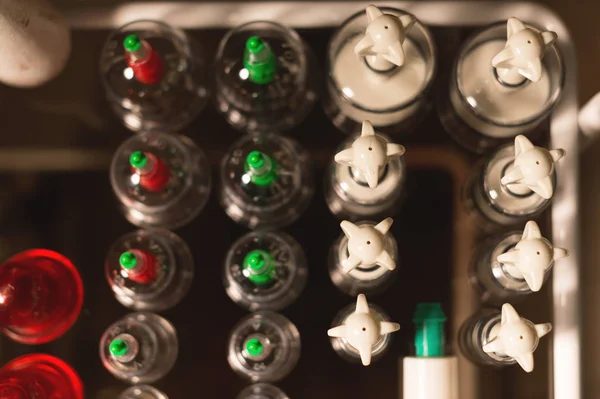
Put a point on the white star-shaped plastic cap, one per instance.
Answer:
(369, 154)
(532, 256)
(524, 50)
(366, 245)
(384, 35)
(517, 337)
(362, 330)
(533, 167)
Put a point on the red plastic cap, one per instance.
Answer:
(39, 376)
(42, 295)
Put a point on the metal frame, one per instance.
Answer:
(566, 365)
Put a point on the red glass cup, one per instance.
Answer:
(41, 295)
(39, 376)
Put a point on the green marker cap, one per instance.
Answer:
(262, 168)
(132, 42)
(254, 347)
(138, 159)
(429, 319)
(259, 267)
(127, 260)
(259, 61)
(118, 348)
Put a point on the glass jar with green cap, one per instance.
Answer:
(139, 348)
(266, 181)
(265, 270)
(266, 77)
(264, 347)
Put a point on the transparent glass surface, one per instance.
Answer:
(277, 204)
(142, 392)
(278, 105)
(278, 334)
(391, 100)
(185, 193)
(491, 278)
(492, 112)
(371, 279)
(157, 348)
(289, 276)
(350, 198)
(494, 200)
(262, 391)
(168, 105)
(173, 276)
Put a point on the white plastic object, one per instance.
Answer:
(362, 330)
(516, 337)
(369, 154)
(522, 55)
(383, 39)
(532, 257)
(366, 245)
(532, 169)
(430, 378)
(589, 117)
(35, 42)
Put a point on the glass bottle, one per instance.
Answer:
(501, 338)
(506, 80)
(141, 348)
(149, 269)
(264, 347)
(142, 392)
(161, 180)
(266, 77)
(154, 76)
(265, 270)
(262, 391)
(364, 258)
(515, 184)
(266, 181)
(514, 264)
(361, 332)
(366, 177)
(381, 64)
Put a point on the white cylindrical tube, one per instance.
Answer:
(430, 378)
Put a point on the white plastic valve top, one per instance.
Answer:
(516, 337)
(362, 330)
(532, 169)
(366, 245)
(532, 256)
(522, 56)
(384, 37)
(369, 154)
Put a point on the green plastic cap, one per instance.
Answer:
(429, 319)
(254, 347)
(262, 168)
(259, 61)
(132, 42)
(255, 44)
(138, 159)
(118, 347)
(259, 267)
(127, 260)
